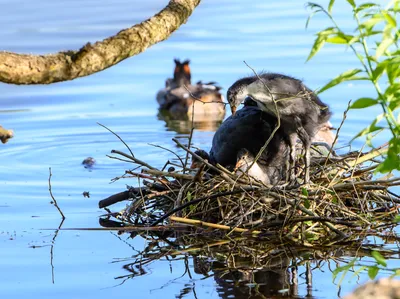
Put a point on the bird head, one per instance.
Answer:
(196, 163)
(244, 159)
(237, 93)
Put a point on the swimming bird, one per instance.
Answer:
(182, 99)
(302, 113)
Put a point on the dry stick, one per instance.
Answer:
(166, 215)
(136, 160)
(119, 159)
(122, 196)
(169, 174)
(311, 218)
(220, 170)
(140, 175)
(213, 225)
(383, 182)
(277, 116)
(117, 137)
(51, 194)
(197, 156)
(294, 204)
(202, 247)
(200, 100)
(52, 249)
(368, 156)
(172, 152)
(190, 136)
(130, 228)
(361, 159)
(337, 133)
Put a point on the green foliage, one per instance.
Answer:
(375, 43)
(356, 267)
(373, 271)
(363, 103)
(349, 75)
(379, 258)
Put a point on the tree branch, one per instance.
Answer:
(63, 66)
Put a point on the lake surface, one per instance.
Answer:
(56, 126)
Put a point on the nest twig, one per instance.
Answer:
(343, 200)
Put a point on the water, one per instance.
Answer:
(56, 126)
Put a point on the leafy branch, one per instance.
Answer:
(379, 63)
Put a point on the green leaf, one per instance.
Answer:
(354, 39)
(394, 104)
(343, 269)
(397, 219)
(371, 128)
(372, 272)
(393, 72)
(320, 41)
(346, 76)
(389, 19)
(392, 161)
(365, 6)
(371, 22)
(379, 258)
(383, 46)
(189, 196)
(307, 203)
(309, 18)
(363, 103)
(392, 91)
(379, 70)
(352, 3)
(330, 5)
(358, 271)
(304, 191)
(318, 44)
(336, 40)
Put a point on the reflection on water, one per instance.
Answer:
(56, 126)
(241, 267)
(184, 124)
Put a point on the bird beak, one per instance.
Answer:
(233, 110)
(194, 165)
(239, 164)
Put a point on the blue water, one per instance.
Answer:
(56, 126)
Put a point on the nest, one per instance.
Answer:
(344, 201)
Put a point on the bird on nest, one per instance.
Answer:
(302, 114)
(241, 136)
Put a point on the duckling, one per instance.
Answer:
(301, 111)
(183, 99)
(267, 172)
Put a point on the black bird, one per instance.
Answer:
(301, 112)
(239, 139)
